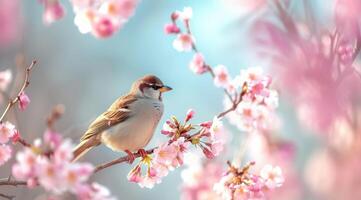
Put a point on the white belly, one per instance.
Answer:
(136, 132)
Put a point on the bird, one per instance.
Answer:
(129, 123)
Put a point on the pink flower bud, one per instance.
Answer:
(175, 16)
(16, 137)
(53, 11)
(23, 101)
(190, 114)
(208, 153)
(31, 183)
(171, 28)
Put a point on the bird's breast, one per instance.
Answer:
(135, 132)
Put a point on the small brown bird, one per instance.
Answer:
(129, 123)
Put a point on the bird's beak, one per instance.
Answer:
(165, 88)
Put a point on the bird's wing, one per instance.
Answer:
(117, 113)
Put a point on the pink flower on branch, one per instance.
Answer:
(170, 155)
(241, 183)
(53, 11)
(183, 42)
(5, 153)
(24, 101)
(102, 18)
(7, 131)
(197, 64)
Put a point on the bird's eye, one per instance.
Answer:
(156, 87)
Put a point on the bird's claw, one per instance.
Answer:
(131, 156)
(142, 153)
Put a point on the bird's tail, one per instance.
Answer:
(83, 147)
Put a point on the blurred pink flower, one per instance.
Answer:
(93, 191)
(102, 19)
(171, 28)
(221, 78)
(5, 153)
(183, 42)
(103, 26)
(10, 16)
(272, 176)
(24, 101)
(5, 79)
(197, 64)
(198, 180)
(186, 14)
(189, 115)
(49, 164)
(7, 131)
(54, 11)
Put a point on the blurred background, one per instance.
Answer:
(86, 75)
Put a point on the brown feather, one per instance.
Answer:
(114, 115)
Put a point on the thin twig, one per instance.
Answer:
(17, 98)
(9, 197)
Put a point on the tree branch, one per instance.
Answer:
(24, 86)
(8, 181)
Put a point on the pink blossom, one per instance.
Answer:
(26, 166)
(171, 28)
(272, 176)
(186, 14)
(183, 42)
(7, 131)
(5, 79)
(48, 163)
(53, 139)
(10, 23)
(24, 101)
(122, 9)
(169, 128)
(135, 174)
(221, 78)
(103, 18)
(103, 26)
(189, 115)
(54, 11)
(5, 153)
(165, 154)
(93, 191)
(197, 64)
(198, 180)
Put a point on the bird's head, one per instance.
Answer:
(150, 86)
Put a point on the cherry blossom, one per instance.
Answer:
(24, 101)
(93, 191)
(198, 179)
(171, 28)
(5, 79)
(10, 15)
(183, 42)
(240, 183)
(272, 176)
(7, 131)
(5, 153)
(102, 18)
(170, 155)
(54, 11)
(48, 163)
(197, 64)
(221, 76)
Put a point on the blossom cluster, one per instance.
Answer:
(7, 133)
(249, 91)
(48, 163)
(240, 183)
(170, 155)
(256, 111)
(199, 177)
(101, 18)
